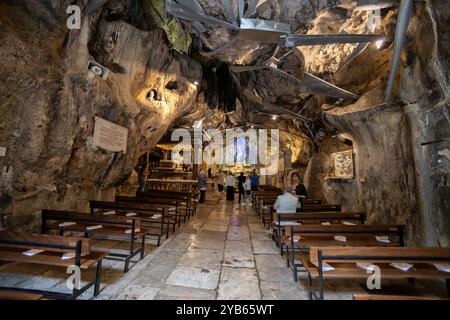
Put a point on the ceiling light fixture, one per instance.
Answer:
(379, 44)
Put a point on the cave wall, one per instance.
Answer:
(48, 101)
(317, 177)
(425, 88)
(401, 148)
(384, 184)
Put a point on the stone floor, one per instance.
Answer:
(224, 252)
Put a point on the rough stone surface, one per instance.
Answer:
(48, 101)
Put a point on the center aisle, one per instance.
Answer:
(224, 252)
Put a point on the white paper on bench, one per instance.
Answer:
(66, 224)
(128, 231)
(401, 266)
(442, 267)
(109, 213)
(384, 239)
(340, 238)
(94, 227)
(156, 216)
(296, 238)
(325, 267)
(68, 255)
(289, 223)
(365, 266)
(131, 214)
(349, 223)
(32, 252)
(326, 223)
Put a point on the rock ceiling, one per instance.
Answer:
(283, 56)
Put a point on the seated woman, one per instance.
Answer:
(299, 187)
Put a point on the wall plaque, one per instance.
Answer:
(343, 164)
(2, 151)
(110, 136)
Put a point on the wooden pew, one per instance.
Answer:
(185, 204)
(128, 228)
(344, 261)
(320, 208)
(169, 207)
(283, 220)
(156, 224)
(267, 202)
(257, 194)
(18, 295)
(267, 187)
(301, 238)
(77, 250)
(311, 201)
(265, 210)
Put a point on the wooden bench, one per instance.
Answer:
(265, 210)
(267, 187)
(256, 195)
(154, 216)
(169, 206)
(269, 213)
(344, 261)
(311, 201)
(18, 295)
(185, 204)
(301, 238)
(320, 208)
(76, 251)
(283, 220)
(99, 226)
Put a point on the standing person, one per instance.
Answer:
(241, 181)
(248, 187)
(230, 182)
(202, 185)
(220, 183)
(254, 181)
(286, 203)
(143, 178)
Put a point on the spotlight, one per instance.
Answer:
(98, 69)
(379, 44)
(274, 117)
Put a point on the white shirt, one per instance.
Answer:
(248, 185)
(286, 203)
(230, 181)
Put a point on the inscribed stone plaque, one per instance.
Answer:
(2, 151)
(343, 164)
(110, 136)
